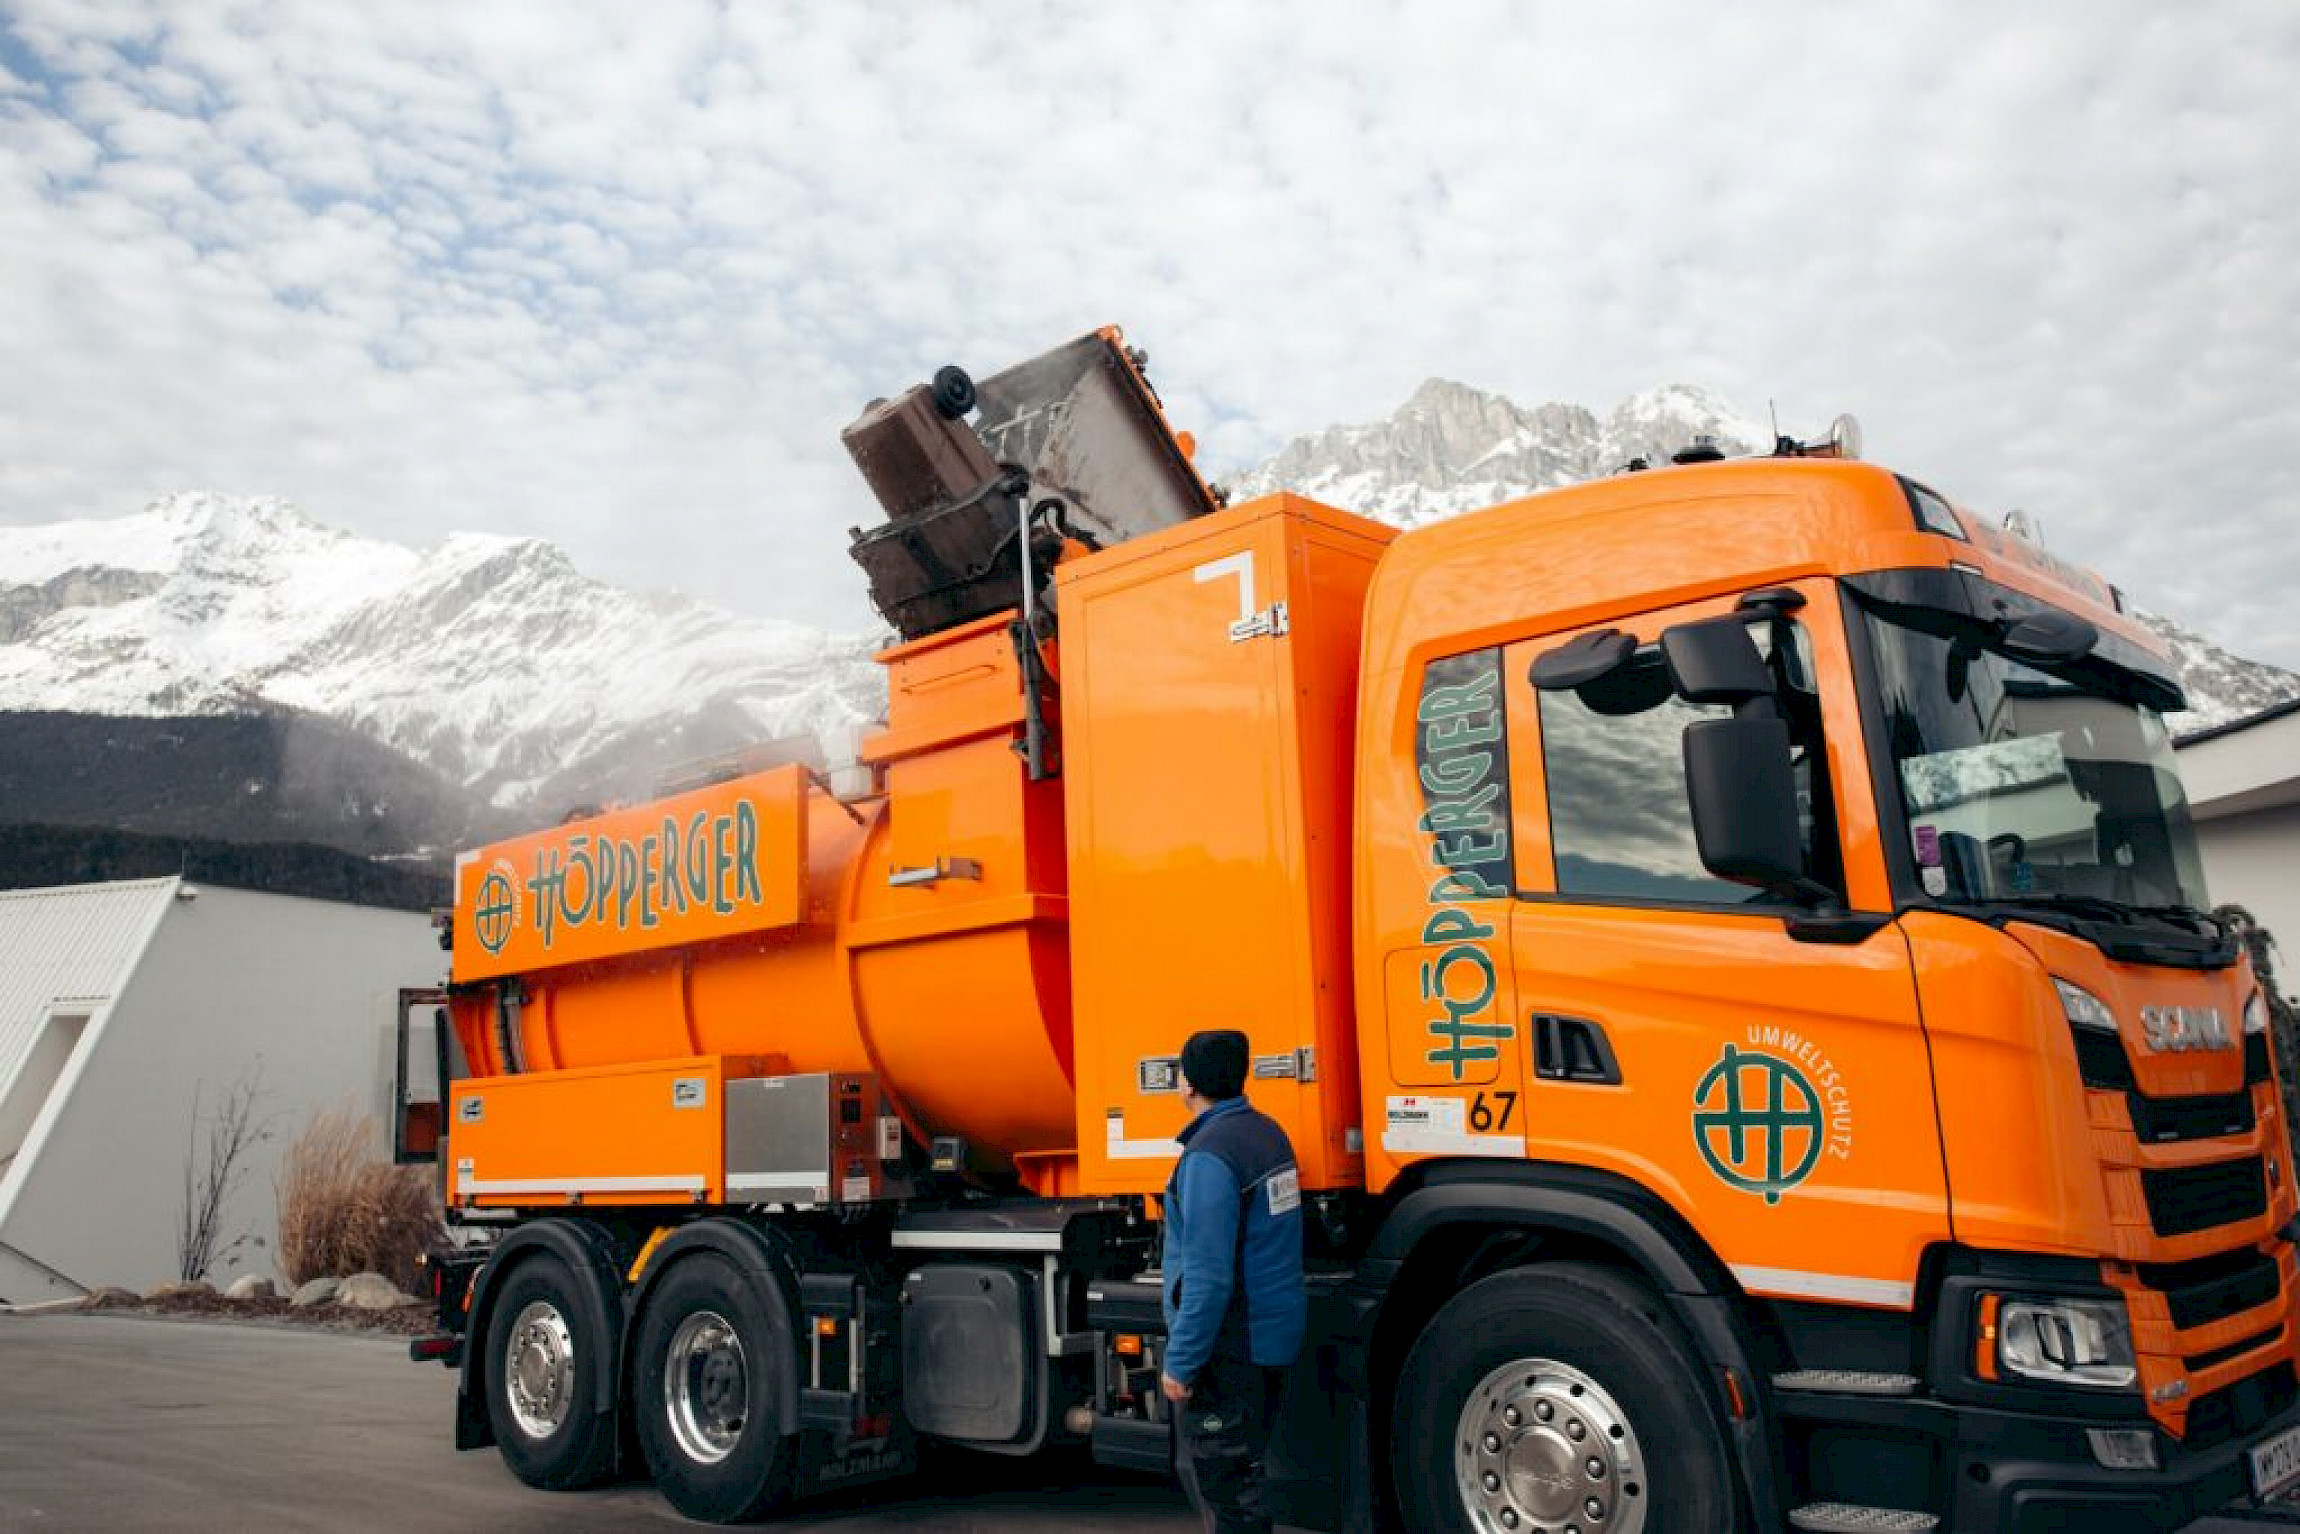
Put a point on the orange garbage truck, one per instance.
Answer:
(1726, 942)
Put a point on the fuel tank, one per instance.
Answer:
(917, 932)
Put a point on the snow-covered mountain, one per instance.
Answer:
(495, 665)
(2222, 686)
(1451, 448)
(490, 660)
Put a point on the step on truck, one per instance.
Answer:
(1726, 942)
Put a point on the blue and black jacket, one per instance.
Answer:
(1233, 1258)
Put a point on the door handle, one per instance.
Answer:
(1573, 1049)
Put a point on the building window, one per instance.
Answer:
(52, 1046)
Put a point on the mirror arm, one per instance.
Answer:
(1824, 917)
(1813, 895)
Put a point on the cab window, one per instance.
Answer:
(1461, 760)
(1613, 757)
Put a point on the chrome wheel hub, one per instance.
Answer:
(539, 1369)
(1541, 1448)
(706, 1387)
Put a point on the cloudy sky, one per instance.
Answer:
(616, 274)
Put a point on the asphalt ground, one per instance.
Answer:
(122, 1422)
(125, 1422)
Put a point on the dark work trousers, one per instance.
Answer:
(1224, 1430)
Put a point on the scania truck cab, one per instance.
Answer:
(1773, 848)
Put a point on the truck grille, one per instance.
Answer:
(2219, 1356)
(2101, 1061)
(2238, 1409)
(2165, 1120)
(2198, 1198)
(2212, 1288)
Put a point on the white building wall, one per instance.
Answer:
(2253, 860)
(299, 992)
(2243, 784)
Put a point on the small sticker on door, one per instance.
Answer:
(687, 1092)
(1442, 1115)
(470, 1109)
(1285, 1191)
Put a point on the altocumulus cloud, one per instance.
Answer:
(615, 275)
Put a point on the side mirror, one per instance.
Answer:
(1744, 802)
(1715, 661)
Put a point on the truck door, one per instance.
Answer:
(1775, 1089)
(428, 1060)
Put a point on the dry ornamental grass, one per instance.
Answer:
(344, 1209)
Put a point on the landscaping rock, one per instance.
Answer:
(179, 1286)
(250, 1286)
(315, 1291)
(372, 1291)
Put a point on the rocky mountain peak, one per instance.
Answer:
(1452, 447)
(1659, 422)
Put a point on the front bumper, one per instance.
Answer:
(2022, 1473)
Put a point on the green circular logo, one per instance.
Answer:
(1758, 1123)
(496, 911)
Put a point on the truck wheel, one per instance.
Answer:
(543, 1364)
(703, 1391)
(1557, 1397)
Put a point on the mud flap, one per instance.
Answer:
(827, 1465)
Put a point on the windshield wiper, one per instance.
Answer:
(2203, 920)
(2203, 923)
(2075, 905)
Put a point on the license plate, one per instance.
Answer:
(2276, 1463)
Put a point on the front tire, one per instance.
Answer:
(1554, 1396)
(543, 1363)
(703, 1395)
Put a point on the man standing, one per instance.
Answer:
(1236, 1309)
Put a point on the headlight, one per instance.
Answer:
(2100, 1057)
(2256, 1014)
(2085, 1009)
(2065, 1342)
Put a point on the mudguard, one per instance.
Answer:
(764, 1258)
(590, 1255)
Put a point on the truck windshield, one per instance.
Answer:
(2026, 785)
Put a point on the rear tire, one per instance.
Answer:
(703, 1390)
(543, 1363)
(1538, 1394)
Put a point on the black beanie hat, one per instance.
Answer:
(1215, 1062)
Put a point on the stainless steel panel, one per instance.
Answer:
(804, 1139)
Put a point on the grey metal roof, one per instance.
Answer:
(75, 943)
